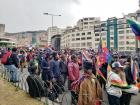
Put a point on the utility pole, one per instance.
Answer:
(52, 16)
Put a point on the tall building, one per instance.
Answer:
(80, 36)
(51, 31)
(114, 31)
(117, 34)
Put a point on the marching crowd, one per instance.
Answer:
(86, 85)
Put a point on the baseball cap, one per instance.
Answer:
(116, 64)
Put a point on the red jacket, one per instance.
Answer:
(73, 71)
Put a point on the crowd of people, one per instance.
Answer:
(84, 82)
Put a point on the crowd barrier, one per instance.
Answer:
(64, 98)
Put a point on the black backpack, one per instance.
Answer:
(36, 86)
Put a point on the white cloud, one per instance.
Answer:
(104, 8)
(23, 15)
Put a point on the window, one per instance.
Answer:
(89, 38)
(97, 39)
(121, 48)
(96, 22)
(85, 22)
(112, 43)
(121, 42)
(73, 45)
(97, 30)
(103, 38)
(111, 27)
(130, 37)
(103, 29)
(91, 27)
(77, 44)
(85, 18)
(85, 27)
(77, 38)
(112, 33)
(111, 38)
(120, 26)
(121, 37)
(89, 44)
(83, 38)
(97, 34)
(129, 31)
(132, 48)
(121, 32)
(73, 34)
(96, 44)
(89, 33)
(73, 39)
(83, 33)
(91, 18)
(83, 44)
(120, 22)
(127, 48)
(103, 25)
(91, 22)
(103, 33)
(77, 34)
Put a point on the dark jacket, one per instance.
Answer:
(45, 70)
(13, 60)
(40, 58)
(44, 65)
(63, 67)
(54, 69)
(129, 77)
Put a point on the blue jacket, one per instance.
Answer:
(44, 65)
(54, 69)
(45, 70)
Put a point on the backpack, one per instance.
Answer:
(5, 57)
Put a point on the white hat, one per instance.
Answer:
(117, 64)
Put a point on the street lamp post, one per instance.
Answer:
(52, 15)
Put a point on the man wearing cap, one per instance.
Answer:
(115, 84)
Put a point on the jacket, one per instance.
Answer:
(54, 69)
(90, 91)
(45, 70)
(73, 71)
(129, 77)
(13, 60)
(63, 67)
(44, 65)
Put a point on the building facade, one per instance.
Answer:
(51, 31)
(56, 42)
(118, 34)
(80, 36)
(114, 31)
